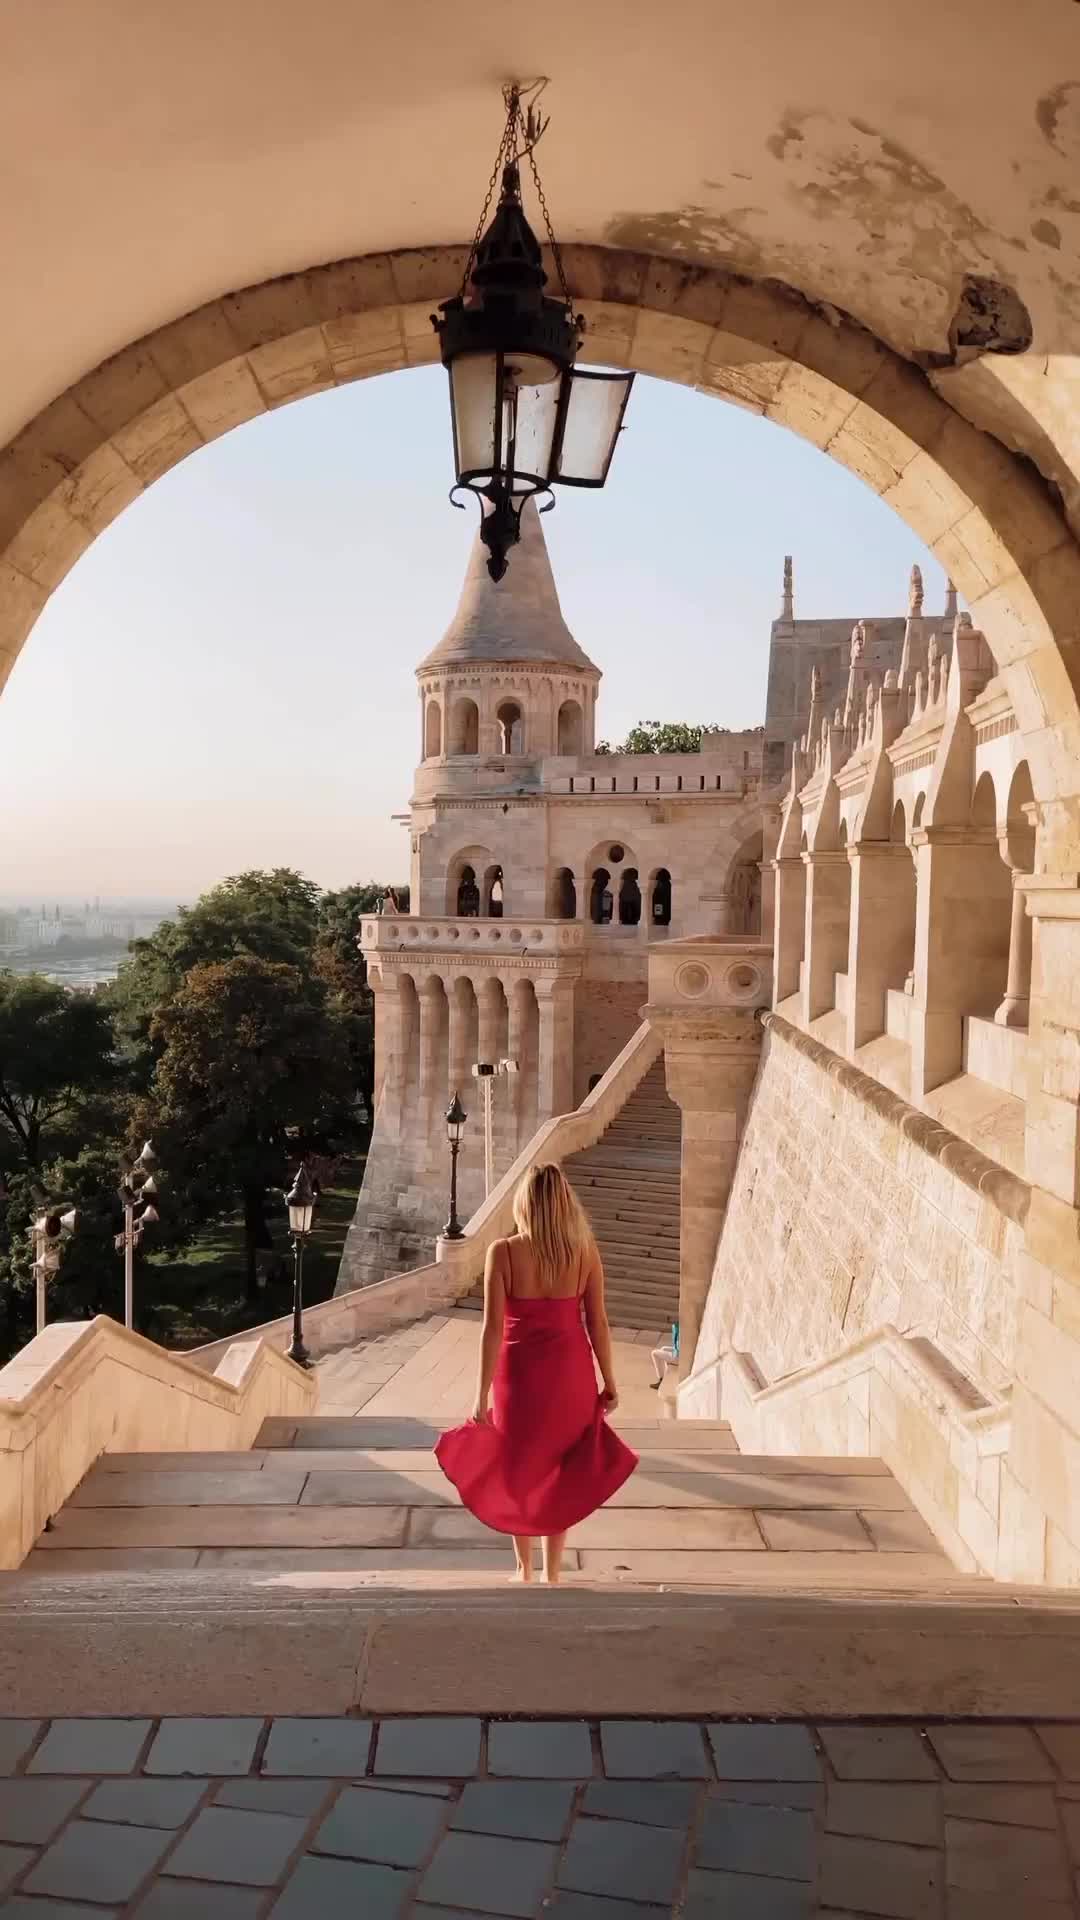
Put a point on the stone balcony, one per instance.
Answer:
(505, 939)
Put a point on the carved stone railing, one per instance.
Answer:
(417, 934)
(79, 1389)
(364, 1311)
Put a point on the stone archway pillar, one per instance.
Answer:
(489, 996)
(555, 1064)
(789, 923)
(881, 937)
(705, 996)
(457, 1053)
(828, 906)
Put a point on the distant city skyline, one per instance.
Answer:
(225, 679)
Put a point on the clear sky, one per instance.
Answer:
(225, 679)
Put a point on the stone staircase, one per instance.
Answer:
(363, 1497)
(629, 1185)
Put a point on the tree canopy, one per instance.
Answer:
(55, 1054)
(660, 736)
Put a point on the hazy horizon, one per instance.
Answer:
(225, 679)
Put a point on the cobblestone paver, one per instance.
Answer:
(447, 1819)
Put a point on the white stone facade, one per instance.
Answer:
(541, 872)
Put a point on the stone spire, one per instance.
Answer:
(856, 675)
(915, 591)
(787, 603)
(950, 601)
(519, 619)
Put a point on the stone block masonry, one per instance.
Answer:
(431, 1814)
(850, 1212)
(867, 1297)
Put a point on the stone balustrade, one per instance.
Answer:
(419, 934)
(82, 1387)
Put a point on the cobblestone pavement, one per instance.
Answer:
(439, 1819)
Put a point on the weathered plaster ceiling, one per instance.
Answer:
(872, 157)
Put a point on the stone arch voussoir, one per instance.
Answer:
(987, 515)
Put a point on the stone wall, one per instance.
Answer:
(606, 1014)
(845, 1218)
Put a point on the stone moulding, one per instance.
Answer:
(1006, 1191)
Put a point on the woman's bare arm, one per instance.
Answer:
(491, 1337)
(597, 1322)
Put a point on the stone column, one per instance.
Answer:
(789, 924)
(1013, 1011)
(489, 996)
(432, 1011)
(458, 1064)
(517, 993)
(710, 1063)
(393, 1041)
(828, 912)
(882, 937)
(555, 1066)
(959, 946)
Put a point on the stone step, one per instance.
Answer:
(766, 1638)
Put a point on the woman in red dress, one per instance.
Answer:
(544, 1456)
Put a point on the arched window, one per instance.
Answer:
(629, 899)
(468, 895)
(493, 893)
(511, 730)
(660, 912)
(464, 728)
(601, 899)
(571, 728)
(565, 895)
(432, 730)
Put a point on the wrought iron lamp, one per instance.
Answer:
(456, 1117)
(300, 1201)
(138, 1197)
(525, 418)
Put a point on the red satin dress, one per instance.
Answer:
(546, 1458)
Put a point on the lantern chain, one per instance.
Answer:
(513, 112)
(531, 128)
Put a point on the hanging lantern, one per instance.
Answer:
(525, 418)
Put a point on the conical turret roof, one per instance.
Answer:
(518, 618)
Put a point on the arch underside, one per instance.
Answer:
(988, 517)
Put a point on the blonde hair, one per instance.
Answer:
(548, 1214)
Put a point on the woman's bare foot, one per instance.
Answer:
(521, 1577)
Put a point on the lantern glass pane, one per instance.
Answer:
(531, 390)
(300, 1219)
(473, 384)
(593, 417)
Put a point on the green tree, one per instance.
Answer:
(339, 963)
(56, 1053)
(251, 1059)
(660, 736)
(272, 915)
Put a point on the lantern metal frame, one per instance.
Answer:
(503, 316)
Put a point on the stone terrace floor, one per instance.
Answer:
(440, 1819)
(429, 1368)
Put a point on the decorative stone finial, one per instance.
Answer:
(950, 600)
(890, 679)
(858, 641)
(915, 591)
(787, 604)
(815, 684)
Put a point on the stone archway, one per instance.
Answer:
(983, 512)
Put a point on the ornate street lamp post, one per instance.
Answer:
(49, 1232)
(525, 419)
(138, 1198)
(300, 1201)
(456, 1117)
